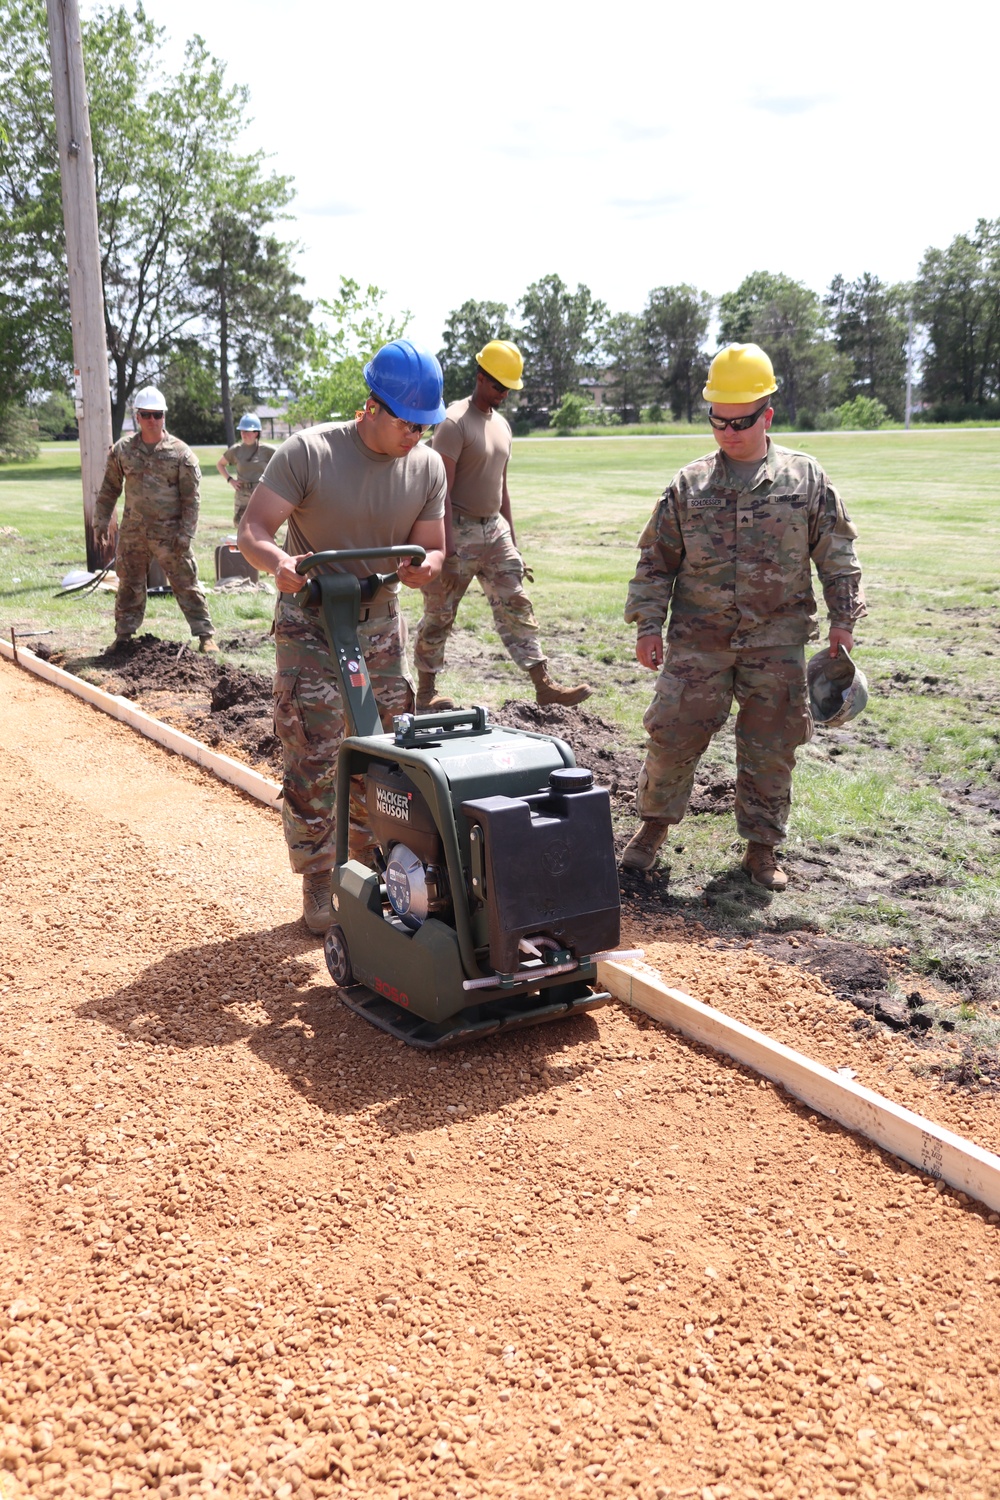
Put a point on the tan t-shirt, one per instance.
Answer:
(250, 461)
(480, 443)
(347, 496)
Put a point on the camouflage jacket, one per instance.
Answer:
(731, 562)
(162, 484)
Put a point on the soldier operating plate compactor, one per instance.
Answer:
(496, 889)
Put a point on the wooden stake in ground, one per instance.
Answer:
(86, 299)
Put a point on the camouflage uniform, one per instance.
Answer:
(159, 520)
(249, 460)
(485, 550)
(309, 721)
(730, 560)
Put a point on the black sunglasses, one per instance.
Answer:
(150, 416)
(497, 385)
(738, 424)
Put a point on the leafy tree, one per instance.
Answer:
(570, 413)
(245, 288)
(788, 321)
(163, 149)
(626, 372)
(864, 412)
(676, 323)
(18, 435)
(466, 330)
(35, 338)
(331, 383)
(870, 329)
(559, 337)
(56, 417)
(958, 301)
(190, 382)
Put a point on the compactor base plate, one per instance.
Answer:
(476, 1020)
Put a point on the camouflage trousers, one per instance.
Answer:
(309, 722)
(694, 694)
(485, 550)
(140, 540)
(241, 499)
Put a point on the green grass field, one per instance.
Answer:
(908, 795)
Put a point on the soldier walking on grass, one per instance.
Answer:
(162, 482)
(727, 552)
(249, 457)
(366, 483)
(475, 442)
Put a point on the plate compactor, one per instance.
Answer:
(496, 887)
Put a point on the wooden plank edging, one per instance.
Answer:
(931, 1148)
(223, 766)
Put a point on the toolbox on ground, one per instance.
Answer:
(230, 562)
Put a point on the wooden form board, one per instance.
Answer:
(919, 1141)
(223, 766)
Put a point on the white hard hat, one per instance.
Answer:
(149, 399)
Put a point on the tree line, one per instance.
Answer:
(840, 355)
(201, 294)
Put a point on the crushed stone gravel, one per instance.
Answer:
(251, 1247)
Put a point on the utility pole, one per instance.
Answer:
(909, 368)
(91, 393)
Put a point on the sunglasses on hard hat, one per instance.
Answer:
(738, 424)
(402, 423)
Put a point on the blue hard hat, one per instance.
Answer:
(249, 423)
(409, 380)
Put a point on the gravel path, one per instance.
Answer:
(252, 1247)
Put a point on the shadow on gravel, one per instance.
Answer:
(261, 989)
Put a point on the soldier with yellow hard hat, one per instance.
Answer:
(475, 442)
(727, 554)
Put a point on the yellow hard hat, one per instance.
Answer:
(503, 361)
(739, 373)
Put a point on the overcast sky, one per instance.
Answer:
(626, 147)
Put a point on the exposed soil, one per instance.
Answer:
(250, 1247)
(229, 708)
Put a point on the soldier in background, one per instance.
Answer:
(162, 482)
(475, 442)
(727, 552)
(250, 458)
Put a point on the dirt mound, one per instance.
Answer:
(147, 664)
(594, 741)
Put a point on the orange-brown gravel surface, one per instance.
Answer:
(251, 1247)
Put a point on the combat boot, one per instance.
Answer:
(206, 643)
(761, 864)
(317, 908)
(428, 701)
(640, 851)
(547, 691)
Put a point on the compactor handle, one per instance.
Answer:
(355, 554)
